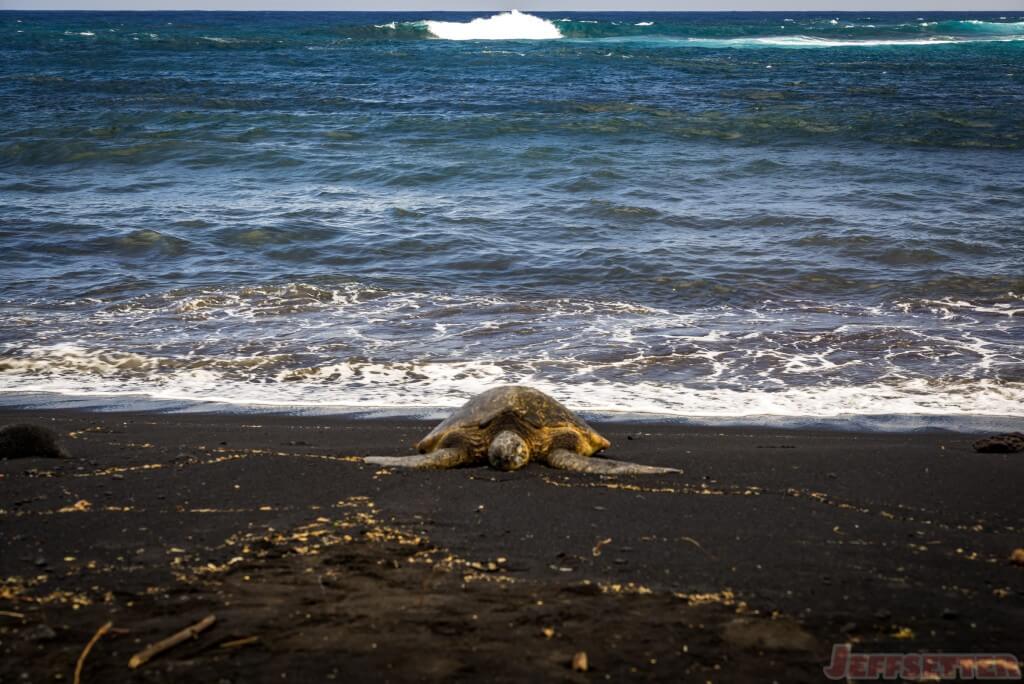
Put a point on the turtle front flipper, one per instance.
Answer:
(570, 460)
(438, 459)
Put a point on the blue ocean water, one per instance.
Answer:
(698, 215)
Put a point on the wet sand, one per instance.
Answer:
(772, 546)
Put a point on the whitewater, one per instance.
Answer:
(516, 25)
(512, 25)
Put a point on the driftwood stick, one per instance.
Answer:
(11, 613)
(238, 643)
(88, 647)
(148, 653)
(696, 543)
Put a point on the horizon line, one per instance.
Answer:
(536, 11)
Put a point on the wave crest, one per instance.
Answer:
(513, 25)
(979, 26)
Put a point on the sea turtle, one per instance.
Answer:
(509, 427)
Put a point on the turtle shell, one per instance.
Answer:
(536, 416)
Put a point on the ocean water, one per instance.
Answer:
(780, 216)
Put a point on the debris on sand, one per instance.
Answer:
(150, 652)
(88, 647)
(239, 643)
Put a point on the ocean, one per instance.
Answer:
(717, 217)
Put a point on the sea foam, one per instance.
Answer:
(357, 348)
(816, 42)
(414, 388)
(513, 25)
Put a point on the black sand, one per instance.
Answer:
(770, 548)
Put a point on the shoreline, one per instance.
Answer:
(772, 546)
(37, 401)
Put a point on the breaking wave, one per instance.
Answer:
(358, 348)
(88, 377)
(513, 25)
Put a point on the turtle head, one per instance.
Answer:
(508, 451)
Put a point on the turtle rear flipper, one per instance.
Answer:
(434, 460)
(570, 460)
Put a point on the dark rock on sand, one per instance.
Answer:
(23, 440)
(1008, 443)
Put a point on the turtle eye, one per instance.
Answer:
(484, 423)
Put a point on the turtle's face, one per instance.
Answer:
(508, 451)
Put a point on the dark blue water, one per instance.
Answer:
(695, 214)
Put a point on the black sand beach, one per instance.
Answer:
(770, 548)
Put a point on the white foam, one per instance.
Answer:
(814, 42)
(72, 369)
(977, 25)
(644, 23)
(355, 347)
(411, 387)
(948, 305)
(996, 24)
(513, 25)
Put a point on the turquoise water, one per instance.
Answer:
(700, 215)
